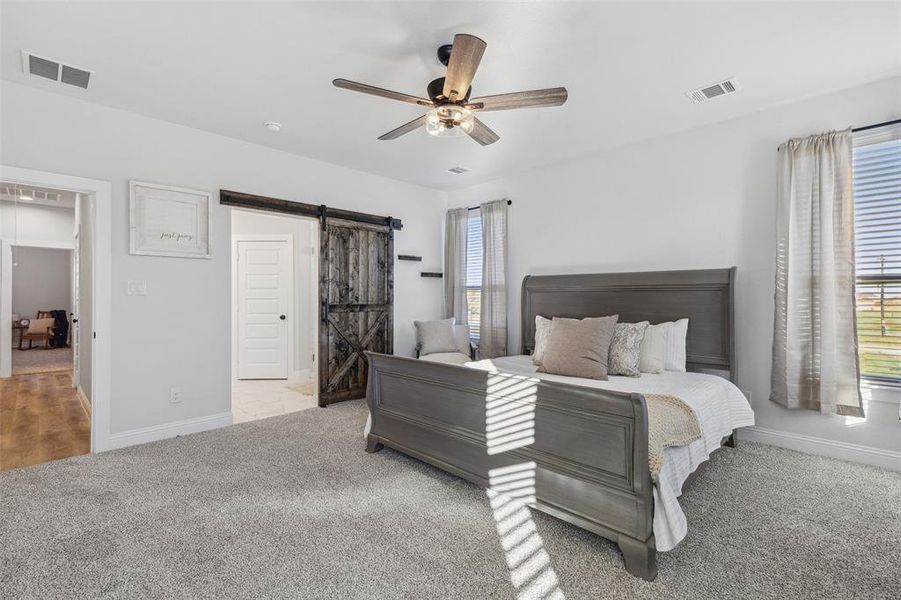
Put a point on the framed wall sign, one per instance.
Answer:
(169, 221)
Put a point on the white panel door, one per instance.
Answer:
(265, 296)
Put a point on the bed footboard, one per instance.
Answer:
(576, 453)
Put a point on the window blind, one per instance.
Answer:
(877, 212)
(474, 272)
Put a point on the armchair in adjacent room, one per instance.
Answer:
(39, 328)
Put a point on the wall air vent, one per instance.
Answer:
(459, 170)
(714, 90)
(55, 70)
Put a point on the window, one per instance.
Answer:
(877, 208)
(474, 272)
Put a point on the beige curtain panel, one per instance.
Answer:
(815, 364)
(455, 265)
(493, 313)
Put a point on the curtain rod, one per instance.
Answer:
(509, 202)
(874, 126)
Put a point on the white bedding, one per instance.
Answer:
(718, 404)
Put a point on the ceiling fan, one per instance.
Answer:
(452, 109)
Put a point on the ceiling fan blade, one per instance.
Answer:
(405, 128)
(461, 68)
(377, 91)
(482, 133)
(530, 99)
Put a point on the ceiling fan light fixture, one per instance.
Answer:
(449, 104)
(449, 120)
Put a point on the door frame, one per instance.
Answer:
(321, 212)
(101, 283)
(7, 283)
(264, 237)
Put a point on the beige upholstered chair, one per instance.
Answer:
(464, 352)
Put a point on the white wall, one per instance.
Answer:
(36, 224)
(306, 288)
(704, 198)
(178, 335)
(41, 280)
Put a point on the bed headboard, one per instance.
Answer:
(705, 297)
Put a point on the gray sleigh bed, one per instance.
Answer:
(588, 448)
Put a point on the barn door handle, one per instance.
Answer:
(282, 317)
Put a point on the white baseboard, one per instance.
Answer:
(168, 430)
(887, 459)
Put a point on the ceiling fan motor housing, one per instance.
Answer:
(444, 53)
(436, 92)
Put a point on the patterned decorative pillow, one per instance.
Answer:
(542, 330)
(625, 350)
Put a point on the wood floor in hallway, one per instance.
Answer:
(41, 419)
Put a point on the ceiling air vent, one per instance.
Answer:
(712, 91)
(27, 194)
(459, 170)
(55, 70)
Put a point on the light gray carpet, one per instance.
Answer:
(293, 507)
(41, 360)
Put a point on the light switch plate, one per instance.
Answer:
(136, 287)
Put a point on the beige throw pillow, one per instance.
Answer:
(40, 325)
(578, 348)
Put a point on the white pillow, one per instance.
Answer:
(435, 336)
(542, 331)
(461, 336)
(675, 346)
(653, 348)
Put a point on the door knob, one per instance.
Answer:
(282, 317)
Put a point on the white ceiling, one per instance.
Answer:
(228, 67)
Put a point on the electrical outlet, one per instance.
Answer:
(174, 395)
(136, 287)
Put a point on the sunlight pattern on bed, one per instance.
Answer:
(510, 424)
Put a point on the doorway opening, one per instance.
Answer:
(45, 407)
(352, 257)
(275, 325)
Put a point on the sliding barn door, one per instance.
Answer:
(357, 304)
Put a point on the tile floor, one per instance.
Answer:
(254, 399)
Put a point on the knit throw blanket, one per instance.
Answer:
(671, 423)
